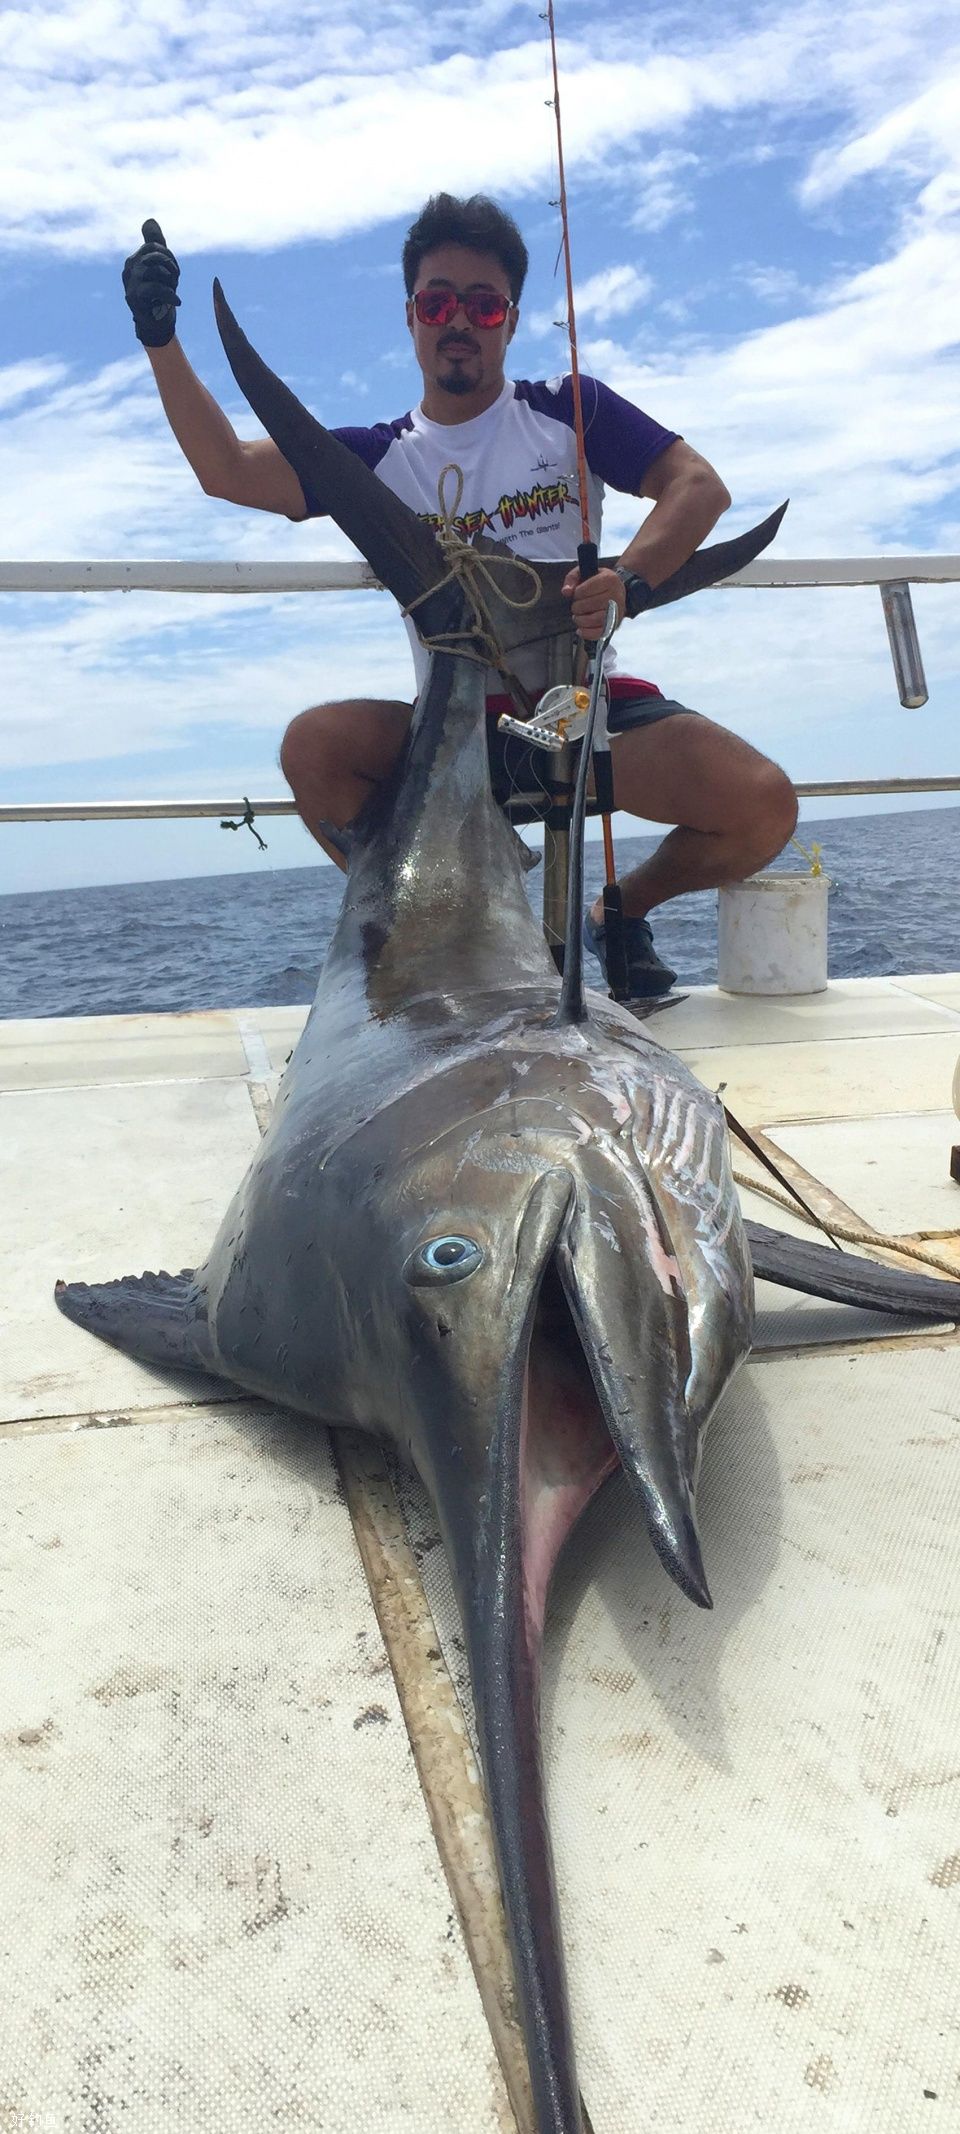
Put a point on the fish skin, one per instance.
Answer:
(432, 1095)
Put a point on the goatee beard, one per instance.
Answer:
(456, 383)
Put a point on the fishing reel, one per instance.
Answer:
(559, 718)
(563, 713)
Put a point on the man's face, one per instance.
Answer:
(458, 358)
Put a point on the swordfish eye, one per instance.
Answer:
(443, 1259)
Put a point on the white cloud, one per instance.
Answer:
(920, 137)
(92, 679)
(659, 186)
(774, 284)
(849, 407)
(607, 295)
(19, 381)
(268, 128)
(90, 468)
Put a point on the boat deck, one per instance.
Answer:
(224, 1896)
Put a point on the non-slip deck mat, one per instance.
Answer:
(221, 1906)
(96, 1183)
(894, 1172)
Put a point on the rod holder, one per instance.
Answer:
(904, 643)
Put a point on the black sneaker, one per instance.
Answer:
(648, 977)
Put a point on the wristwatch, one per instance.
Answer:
(638, 592)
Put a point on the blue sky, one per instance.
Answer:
(765, 227)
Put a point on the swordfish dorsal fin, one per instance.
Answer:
(396, 543)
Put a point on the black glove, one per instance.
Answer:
(150, 279)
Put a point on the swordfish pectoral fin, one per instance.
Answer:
(158, 1318)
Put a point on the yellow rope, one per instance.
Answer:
(875, 1238)
(474, 571)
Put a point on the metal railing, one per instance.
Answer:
(892, 574)
(160, 810)
(173, 577)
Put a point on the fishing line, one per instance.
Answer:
(587, 541)
(588, 561)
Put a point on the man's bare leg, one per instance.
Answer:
(334, 754)
(735, 810)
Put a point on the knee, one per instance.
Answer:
(772, 811)
(305, 745)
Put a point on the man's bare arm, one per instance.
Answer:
(689, 498)
(252, 472)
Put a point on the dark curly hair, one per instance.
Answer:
(477, 222)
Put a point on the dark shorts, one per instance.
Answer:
(516, 768)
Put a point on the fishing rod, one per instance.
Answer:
(588, 563)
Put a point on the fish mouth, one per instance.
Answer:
(580, 1422)
(564, 1448)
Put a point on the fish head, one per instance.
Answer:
(555, 1283)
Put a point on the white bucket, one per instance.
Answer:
(773, 934)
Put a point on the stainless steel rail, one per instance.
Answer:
(173, 577)
(160, 810)
(892, 574)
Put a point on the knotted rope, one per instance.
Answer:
(246, 822)
(476, 573)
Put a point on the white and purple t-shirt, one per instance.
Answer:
(519, 465)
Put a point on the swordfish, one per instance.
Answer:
(490, 1218)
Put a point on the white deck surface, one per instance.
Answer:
(222, 1906)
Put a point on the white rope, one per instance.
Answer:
(475, 572)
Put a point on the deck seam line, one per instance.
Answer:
(79, 1419)
(152, 1081)
(732, 1043)
(256, 1049)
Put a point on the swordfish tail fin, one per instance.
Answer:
(158, 1318)
(707, 566)
(396, 543)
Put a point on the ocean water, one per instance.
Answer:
(259, 939)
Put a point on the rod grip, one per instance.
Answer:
(603, 780)
(588, 559)
(588, 564)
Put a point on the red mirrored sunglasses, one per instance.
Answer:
(484, 307)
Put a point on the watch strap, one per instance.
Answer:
(638, 592)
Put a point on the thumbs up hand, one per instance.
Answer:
(150, 278)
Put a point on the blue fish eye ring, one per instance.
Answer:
(444, 1259)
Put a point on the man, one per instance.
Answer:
(464, 266)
